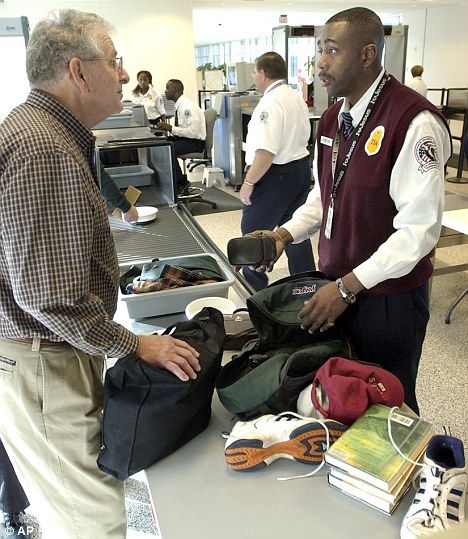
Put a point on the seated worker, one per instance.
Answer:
(189, 130)
(146, 95)
(114, 196)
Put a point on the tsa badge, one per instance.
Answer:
(264, 117)
(426, 154)
(374, 142)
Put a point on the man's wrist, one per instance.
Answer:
(249, 182)
(283, 235)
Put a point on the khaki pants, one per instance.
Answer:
(50, 424)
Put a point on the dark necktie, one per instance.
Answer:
(176, 119)
(347, 124)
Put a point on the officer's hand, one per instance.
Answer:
(164, 125)
(268, 266)
(245, 194)
(171, 354)
(323, 309)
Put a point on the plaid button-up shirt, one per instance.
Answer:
(58, 265)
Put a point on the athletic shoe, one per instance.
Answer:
(440, 501)
(252, 445)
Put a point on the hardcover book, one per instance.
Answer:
(369, 499)
(369, 494)
(365, 451)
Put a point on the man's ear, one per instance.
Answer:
(77, 74)
(368, 54)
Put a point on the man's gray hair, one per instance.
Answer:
(63, 35)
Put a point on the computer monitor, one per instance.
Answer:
(239, 76)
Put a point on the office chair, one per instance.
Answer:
(194, 194)
(202, 158)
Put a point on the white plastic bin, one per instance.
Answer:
(136, 175)
(175, 300)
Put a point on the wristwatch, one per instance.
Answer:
(346, 294)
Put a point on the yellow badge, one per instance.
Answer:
(375, 140)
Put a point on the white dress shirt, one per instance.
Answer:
(418, 197)
(153, 103)
(279, 124)
(191, 120)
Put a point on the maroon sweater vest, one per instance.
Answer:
(363, 210)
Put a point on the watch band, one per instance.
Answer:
(347, 295)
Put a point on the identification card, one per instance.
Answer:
(326, 140)
(328, 225)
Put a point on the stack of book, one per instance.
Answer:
(365, 465)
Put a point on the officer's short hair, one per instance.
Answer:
(273, 65)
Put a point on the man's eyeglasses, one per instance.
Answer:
(115, 63)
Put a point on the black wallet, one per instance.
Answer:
(251, 250)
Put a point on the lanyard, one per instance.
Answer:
(337, 179)
(277, 85)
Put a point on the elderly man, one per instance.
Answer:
(59, 281)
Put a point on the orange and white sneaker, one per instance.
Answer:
(254, 444)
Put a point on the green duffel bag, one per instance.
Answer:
(270, 372)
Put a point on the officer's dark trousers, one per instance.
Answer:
(274, 199)
(183, 145)
(13, 499)
(390, 330)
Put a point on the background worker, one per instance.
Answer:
(59, 281)
(146, 95)
(278, 176)
(188, 133)
(377, 203)
(417, 84)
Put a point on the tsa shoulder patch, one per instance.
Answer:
(426, 154)
(374, 142)
(264, 117)
(187, 113)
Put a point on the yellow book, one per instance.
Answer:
(365, 451)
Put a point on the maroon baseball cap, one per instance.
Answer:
(343, 389)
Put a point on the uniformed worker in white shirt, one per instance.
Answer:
(188, 133)
(417, 84)
(146, 95)
(377, 202)
(278, 174)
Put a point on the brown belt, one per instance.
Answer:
(29, 340)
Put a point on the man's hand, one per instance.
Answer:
(245, 193)
(323, 309)
(171, 354)
(131, 216)
(165, 126)
(279, 244)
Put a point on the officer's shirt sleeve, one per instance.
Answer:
(417, 188)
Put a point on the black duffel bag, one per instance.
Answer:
(149, 412)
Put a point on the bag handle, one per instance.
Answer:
(297, 276)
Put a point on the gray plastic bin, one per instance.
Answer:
(175, 300)
(136, 175)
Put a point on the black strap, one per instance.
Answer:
(338, 178)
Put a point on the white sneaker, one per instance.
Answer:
(439, 503)
(252, 445)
